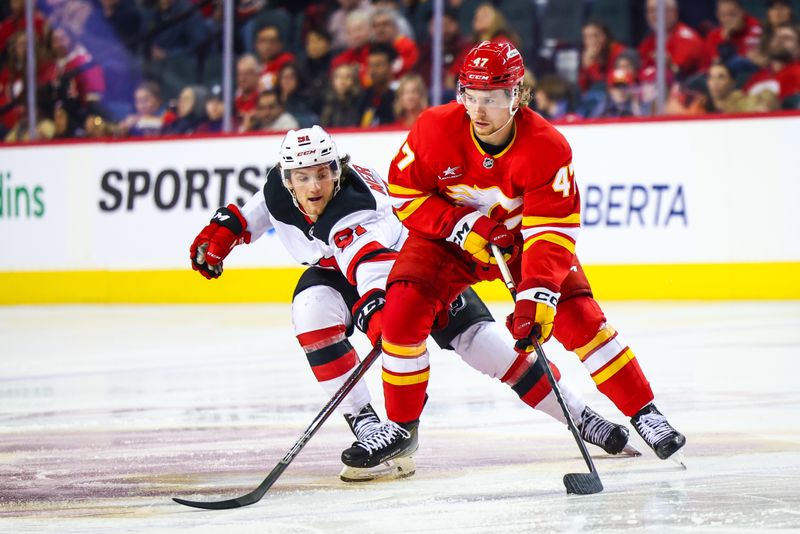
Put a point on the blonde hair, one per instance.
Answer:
(406, 80)
(497, 28)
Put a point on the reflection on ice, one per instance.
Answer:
(100, 425)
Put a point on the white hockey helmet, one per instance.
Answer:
(308, 147)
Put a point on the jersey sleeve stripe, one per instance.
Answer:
(395, 189)
(531, 221)
(552, 237)
(359, 256)
(372, 251)
(409, 208)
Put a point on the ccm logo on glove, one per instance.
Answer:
(475, 233)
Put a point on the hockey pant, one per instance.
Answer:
(429, 273)
(322, 322)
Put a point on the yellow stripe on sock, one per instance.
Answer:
(605, 333)
(404, 351)
(406, 380)
(552, 238)
(615, 366)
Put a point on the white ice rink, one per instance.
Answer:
(106, 412)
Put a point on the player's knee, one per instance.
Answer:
(577, 321)
(318, 307)
(408, 313)
(486, 347)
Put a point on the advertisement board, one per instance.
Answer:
(697, 209)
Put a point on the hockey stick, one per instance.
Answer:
(578, 483)
(256, 495)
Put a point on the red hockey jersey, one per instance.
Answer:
(441, 174)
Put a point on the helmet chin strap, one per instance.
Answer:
(510, 118)
(296, 203)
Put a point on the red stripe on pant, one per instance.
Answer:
(329, 353)
(317, 336)
(339, 367)
(533, 386)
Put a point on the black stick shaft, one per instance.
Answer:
(256, 495)
(509, 281)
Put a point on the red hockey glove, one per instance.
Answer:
(217, 239)
(367, 314)
(533, 316)
(475, 233)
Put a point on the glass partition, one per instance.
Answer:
(140, 68)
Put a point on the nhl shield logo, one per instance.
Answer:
(488, 163)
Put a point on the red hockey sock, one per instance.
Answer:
(407, 319)
(329, 352)
(581, 327)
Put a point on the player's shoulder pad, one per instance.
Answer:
(355, 195)
(280, 204)
(440, 116)
(542, 132)
(436, 123)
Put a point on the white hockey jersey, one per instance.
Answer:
(357, 234)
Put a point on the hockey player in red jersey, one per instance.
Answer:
(335, 217)
(487, 170)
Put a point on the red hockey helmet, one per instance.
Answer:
(491, 66)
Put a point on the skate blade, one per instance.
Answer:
(630, 450)
(677, 459)
(393, 469)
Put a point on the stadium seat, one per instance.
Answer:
(616, 14)
(757, 8)
(521, 17)
(465, 14)
(212, 70)
(178, 71)
(562, 22)
(791, 102)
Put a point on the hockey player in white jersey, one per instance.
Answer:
(335, 217)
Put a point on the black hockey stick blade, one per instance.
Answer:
(245, 500)
(582, 483)
(577, 483)
(256, 495)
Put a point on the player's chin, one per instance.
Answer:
(314, 206)
(483, 127)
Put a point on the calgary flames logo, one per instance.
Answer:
(490, 201)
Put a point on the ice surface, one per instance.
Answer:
(106, 412)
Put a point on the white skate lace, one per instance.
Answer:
(383, 436)
(595, 429)
(653, 427)
(366, 426)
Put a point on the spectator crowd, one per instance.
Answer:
(140, 68)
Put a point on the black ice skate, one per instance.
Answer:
(610, 437)
(366, 425)
(391, 442)
(657, 432)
